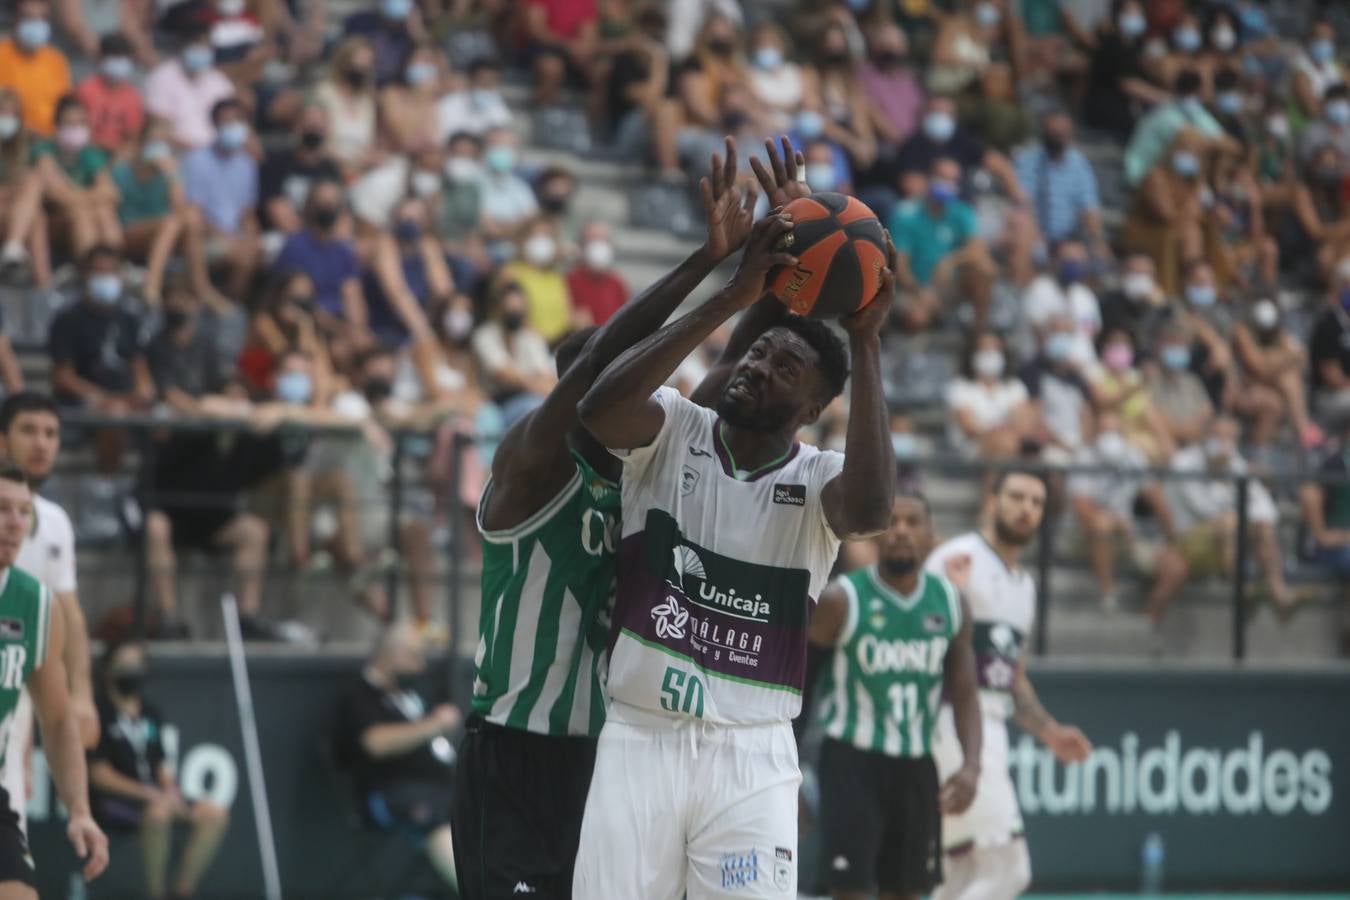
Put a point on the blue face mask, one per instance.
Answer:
(1229, 103)
(940, 191)
(105, 288)
(1186, 39)
(1072, 270)
(500, 159)
(821, 177)
(987, 14)
(768, 58)
(1176, 357)
(904, 445)
(118, 68)
(484, 97)
(398, 10)
(232, 135)
(1185, 164)
(294, 387)
(1058, 346)
(155, 151)
(420, 73)
(1254, 23)
(1338, 112)
(1322, 50)
(1133, 25)
(34, 33)
(939, 127)
(198, 58)
(1202, 295)
(810, 124)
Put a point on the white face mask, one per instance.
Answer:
(424, 183)
(988, 363)
(1138, 285)
(1266, 315)
(1111, 445)
(458, 323)
(599, 255)
(540, 250)
(460, 169)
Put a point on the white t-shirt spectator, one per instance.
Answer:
(526, 350)
(186, 102)
(684, 18)
(351, 126)
(477, 114)
(989, 406)
(1195, 502)
(1116, 490)
(1045, 299)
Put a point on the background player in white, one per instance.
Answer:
(730, 528)
(986, 852)
(30, 438)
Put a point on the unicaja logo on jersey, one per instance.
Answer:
(688, 565)
(670, 619)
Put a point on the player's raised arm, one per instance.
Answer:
(619, 409)
(961, 685)
(858, 500)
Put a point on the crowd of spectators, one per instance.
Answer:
(1132, 215)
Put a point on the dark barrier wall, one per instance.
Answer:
(1243, 774)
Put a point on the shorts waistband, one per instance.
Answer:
(641, 718)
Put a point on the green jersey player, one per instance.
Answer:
(32, 641)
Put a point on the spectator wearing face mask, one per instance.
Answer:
(1206, 313)
(940, 251)
(561, 38)
(517, 369)
(596, 289)
(1060, 396)
(707, 81)
(1118, 84)
(1166, 218)
(1205, 512)
(75, 180)
(116, 112)
(838, 95)
(1270, 366)
(391, 29)
(461, 202)
(1103, 505)
(1245, 248)
(1063, 293)
(408, 115)
(346, 94)
(555, 187)
(1185, 50)
(1176, 392)
(1332, 129)
(446, 368)
(1321, 214)
(221, 179)
(1119, 390)
(1158, 131)
(320, 252)
(508, 199)
(1329, 354)
(687, 17)
(185, 90)
(537, 271)
(1062, 185)
(889, 82)
(1316, 69)
(990, 410)
(26, 245)
(966, 44)
(827, 168)
(939, 137)
(776, 82)
(36, 71)
(1232, 107)
(284, 321)
(287, 174)
(1137, 302)
(477, 107)
(407, 278)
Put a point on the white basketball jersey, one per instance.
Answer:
(717, 574)
(1002, 608)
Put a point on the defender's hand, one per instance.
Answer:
(780, 182)
(729, 210)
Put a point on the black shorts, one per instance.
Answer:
(16, 860)
(519, 798)
(880, 822)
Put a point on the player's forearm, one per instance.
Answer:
(868, 476)
(65, 755)
(1028, 712)
(76, 652)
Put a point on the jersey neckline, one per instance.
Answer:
(729, 465)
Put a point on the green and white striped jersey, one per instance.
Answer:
(548, 587)
(25, 623)
(884, 686)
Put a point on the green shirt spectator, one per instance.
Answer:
(925, 236)
(142, 198)
(1159, 128)
(81, 167)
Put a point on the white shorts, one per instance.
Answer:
(994, 818)
(680, 807)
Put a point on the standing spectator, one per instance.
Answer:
(21, 193)
(536, 272)
(1118, 86)
(1271, 363)
(1158, 130)
(560, 37)
(347, 96)
(76, 182)
(1326, 513)
(408, 105)
(398, 749)
(37, 72)
(389, 31)
(1064, 293)
(1103, 504)
(1206, 514)
(1062, 186)
(1176, 392)
(514, 359)
(1329, 354)
(132, 788)
(889, 82)
(288, 174)
(408, 277)
(940, 251)
(330, 262)
(116, 113)
(990, 410)
(186, 88)
(596, 289)
(477, 107)
(508, 199)
(1060, 395)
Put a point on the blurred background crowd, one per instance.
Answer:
(345, 234)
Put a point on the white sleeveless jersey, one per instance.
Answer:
(717, 574)
(1002, 609)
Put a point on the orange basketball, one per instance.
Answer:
(840, 248)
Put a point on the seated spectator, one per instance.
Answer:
(240, 40)
(1332, 129)
(1270, 365)
(513, 357)
(1317, 69)
(347, 97)
(1158, 131)
(703, 82)
(1326, 516)
(1138, 302)
(554, 188)
(1186, 51)
(408, 105)
(283, 322)
(398, 749)
(116, 113)
(1247, 252)
(477, 107)
(186, 88)
(1117, 82)
(1063, 293)
(157, 219)
(776, 82)
(1234, 108)
(447, 368)
(1119, 390)
(842, 101)
(1166, 219)
(288, 174)
(131, 785)
(965, 46)
(76, 183)
(508, 199)
(1060, 396)
(1206, 312)
(1329, 354)
(536, 271)
(330, 262)
(461, 199)
(192, 380)
(1321, 213)
(991, 413)
(596, 290)
(408, 276)
(221, 179)
(21, 191)
(560, 39)
(1103, 504)
(640, 117)
(1205, 513)
(1062, 185)
(889, 82)
(940, 137)
(31, 68)
(940, 251)
(827, 168)
(995, 113)
(1176, 392)
(390, 31)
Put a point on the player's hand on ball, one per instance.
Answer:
(782, 181)
(730, 210)
(958, 792)
(957, 570)
(1068, 743)
(90, 843)
(761, 257)
(869, 320)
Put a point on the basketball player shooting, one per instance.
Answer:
(730, 528)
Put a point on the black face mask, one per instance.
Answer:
(735, 121)
(1055, 145)
(721, 47)
(407, 681)
(305, 303)
(554, 203)
(311, 140)
(835, 58)
(356, 78)
(176, 318)
(324, 217)
(128, 682)
(512, 321)
(888, 59)
(378, 389)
